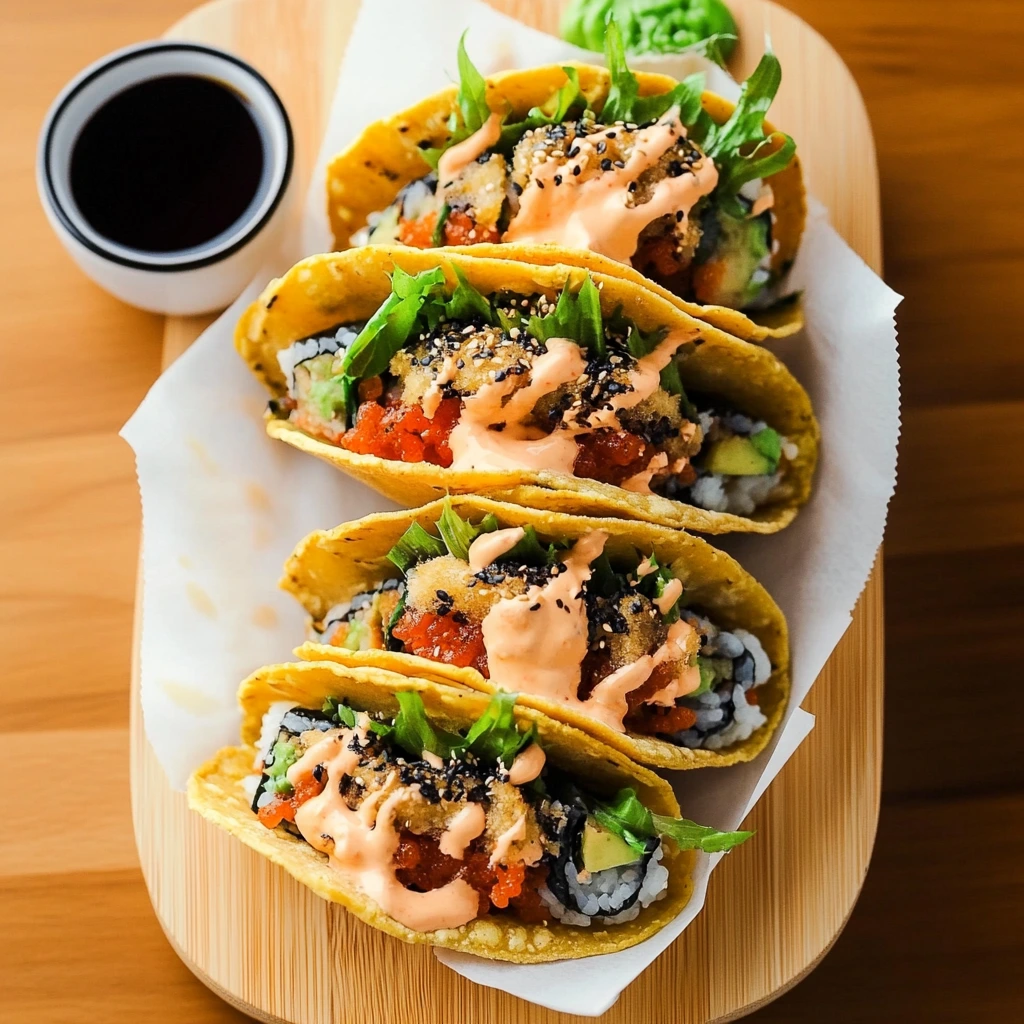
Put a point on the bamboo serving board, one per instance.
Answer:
(277, 952)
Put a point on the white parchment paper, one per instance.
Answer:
(223, 506)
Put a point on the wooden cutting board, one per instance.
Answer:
(277, 952)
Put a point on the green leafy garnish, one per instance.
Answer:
(494, 736)
(466, 302)
(651, 26)
(568, 101)
(653, 585)
(415, 733)
(738, 146)
(627, 817)
(530, 550)
(624, 102)
(416, 545)
(769, 444)
(576, 316)
(340, 712)
(471, 102)
(458, 533)
(389, 328)
(284, 756)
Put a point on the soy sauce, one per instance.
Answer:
(167, 164)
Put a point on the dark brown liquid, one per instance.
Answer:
(167, 164)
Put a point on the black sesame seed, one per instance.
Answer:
(576, 171)
(558, 179)
(517, 188)
(675, 168)
(631, 187)
(601, 147)
(606, 164)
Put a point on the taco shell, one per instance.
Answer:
(322, 291)
(369, 174)
(330, 567)
(215, 791)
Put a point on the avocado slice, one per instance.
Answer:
(603, 849)
(737, 456)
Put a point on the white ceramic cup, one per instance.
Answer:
(196, 280)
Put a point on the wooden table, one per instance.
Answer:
(937, 933)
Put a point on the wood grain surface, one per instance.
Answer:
(936, 935)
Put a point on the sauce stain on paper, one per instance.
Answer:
(264, 616)
(257, 497)
(189, 698)
(200, 600)
(203, 456)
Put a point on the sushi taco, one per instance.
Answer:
(635, 174)
(441, 816)
(427, 372)
(649, 639)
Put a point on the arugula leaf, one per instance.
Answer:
(472, 94)
(624, 102)
(627, 817)
(576, 316)
(769, 444)
(414, 733)
(466, 302)
(737, 147)
(284, 756)
(688, 835)
(416, 545)
(458, 533)
(568, 100)
(389, 328)
(339, 711)
(495, 736)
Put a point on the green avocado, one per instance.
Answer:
(603, 849)
(737, 456)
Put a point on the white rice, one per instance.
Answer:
(762, 663)
(747, 718)
(249, 786)
(270, 728)
(300, 351)
(607, 889)
(740, 495)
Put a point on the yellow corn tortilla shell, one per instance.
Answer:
(215, 791)
(332, 566)
(368, 176)
(325, 290)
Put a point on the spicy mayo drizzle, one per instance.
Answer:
(462, 830)
(362, 843)
(553, 619)
(489, 547)
(461, 155)
(593, 212)
(476, 444)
